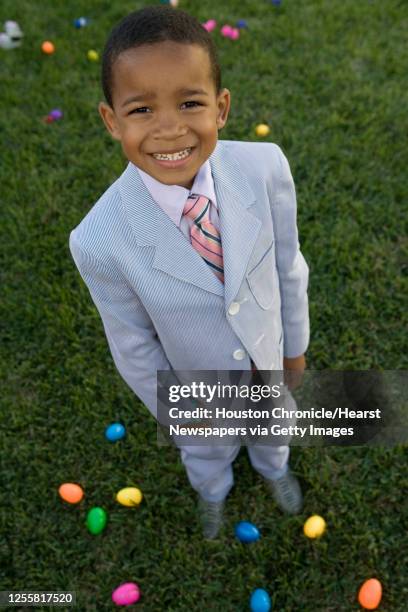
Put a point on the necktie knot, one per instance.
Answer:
(197, 208)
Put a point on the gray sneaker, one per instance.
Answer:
(211, 515)
(286, 492)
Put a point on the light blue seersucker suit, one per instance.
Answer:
(162, 306)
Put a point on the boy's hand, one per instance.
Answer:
(293, 371)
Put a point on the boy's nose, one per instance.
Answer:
(169, 126)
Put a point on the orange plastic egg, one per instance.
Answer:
(370, 593)
(48, 47)
(71, 493)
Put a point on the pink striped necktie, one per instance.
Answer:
(205, 238)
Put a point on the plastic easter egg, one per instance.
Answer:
(126, 594)
(12, 36)
(13, 30)
(6, 42)
(226, 30)
(93, 56)
(370, 593)
(260, 601)
(48, 47)
(276, 2)
(129, 496)
(262, 129)
(247, 532)
(314, 527)
(56, 114)
(241, 24)
(210, 25)
(96, 520)
(81, 22)
(71, 492)
(174, 3)
(115, 432)
(234, 34)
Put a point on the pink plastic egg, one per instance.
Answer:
(126, 594)
(210, 25)
(226, 30)
(234, 34)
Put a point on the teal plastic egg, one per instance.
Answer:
(114, 432)
(247, 532)
(260, 601)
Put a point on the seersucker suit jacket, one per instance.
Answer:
(162, 306)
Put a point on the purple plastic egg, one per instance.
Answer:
(56, 114)
(126, 594)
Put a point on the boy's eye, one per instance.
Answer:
(143, 109)
(193, 102)
(138, 110)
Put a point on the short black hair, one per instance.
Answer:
(155, 24)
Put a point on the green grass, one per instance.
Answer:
(331, 80)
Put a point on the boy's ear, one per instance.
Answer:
(109, 119)
(223, 103)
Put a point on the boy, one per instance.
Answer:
(192, 255)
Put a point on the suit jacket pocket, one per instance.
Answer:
(262, 279)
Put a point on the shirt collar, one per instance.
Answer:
(171, 198)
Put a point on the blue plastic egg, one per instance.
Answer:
(241, 24)
(260, 601)
(247, 532)
(114, 432)
(81, 22)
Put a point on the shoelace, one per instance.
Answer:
(213, 511)
(285, 488)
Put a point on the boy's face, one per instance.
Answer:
(164, 101)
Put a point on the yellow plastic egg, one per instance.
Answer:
(262, 129)
(93, 56)
(129, 496)
(314, 527)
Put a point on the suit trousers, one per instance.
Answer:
(209, 467)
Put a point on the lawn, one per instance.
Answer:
(330, 78)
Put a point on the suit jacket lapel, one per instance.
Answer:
(173, 254)
(239, 226)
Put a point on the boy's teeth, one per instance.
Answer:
(174, 156)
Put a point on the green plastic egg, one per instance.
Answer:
(96, 520)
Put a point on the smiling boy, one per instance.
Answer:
(192, 256)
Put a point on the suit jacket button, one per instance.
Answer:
(239, 354)
(234, 308)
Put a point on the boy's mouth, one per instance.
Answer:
(173, 160)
